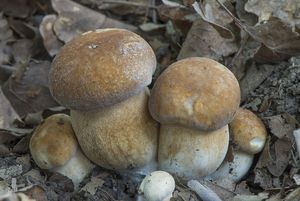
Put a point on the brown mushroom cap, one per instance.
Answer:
(248, 132)
(101, 68)
(53, 142)
(197, 93)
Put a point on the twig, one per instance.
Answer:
(129, 3)
(296, 134)
(205, 193)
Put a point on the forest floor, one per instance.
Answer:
(257, 40)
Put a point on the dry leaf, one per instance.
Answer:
(37, 193)
(215, 16)
(281, 156)
(279, 127)
(7, 113)
(92, 186)
(27, 89)
(204, 41)
(51, 42)
(259, 197)
(287, 11)
(17, 8)
(75, 19)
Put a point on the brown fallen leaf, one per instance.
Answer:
(253, 77)
(274, 34)
(286, 11)
(37, 193)
(7, 113)
(51, 42)
(75, 19)
(17, 8)
(211, 13)
(281, 156)
(279, 126)
(27, 89)
(204, 41)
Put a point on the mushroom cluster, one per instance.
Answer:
(102, 77)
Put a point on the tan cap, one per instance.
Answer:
(53, 143)
(101, 68)
(197, 93)
(248, 132)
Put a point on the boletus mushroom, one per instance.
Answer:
(102, 76)
(157, 186)
(248, 135)
(54, 147)
(194, 99)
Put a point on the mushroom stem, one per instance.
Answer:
(297, 139)
(205, 193)
(77, 168)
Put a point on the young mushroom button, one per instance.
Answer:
(54, 147)
(157, 186)
(248, 132)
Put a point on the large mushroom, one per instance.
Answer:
(102, 76)
(54, 147)
(194, 99)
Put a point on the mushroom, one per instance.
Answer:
(233, 170)
(157, 186)
(194, 99)
(248, 135)
(54, 147)
(102, 76)
(248, 132)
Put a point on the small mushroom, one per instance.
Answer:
(248, 135)
(194, 99)
(54, 147)
(157, 186)
(102, 76)
(248, 132)
(235, 169)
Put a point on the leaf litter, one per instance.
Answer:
(257, 40)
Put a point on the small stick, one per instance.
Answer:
(129, 3)
(297, 140)
(205, 193)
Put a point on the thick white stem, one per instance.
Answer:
(77, 168)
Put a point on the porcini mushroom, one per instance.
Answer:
(248, 132)
(248, 135)
(197, 93)
(54, 147)
(102, 76)
(233, 170)
(194, 99)
(157, 186)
